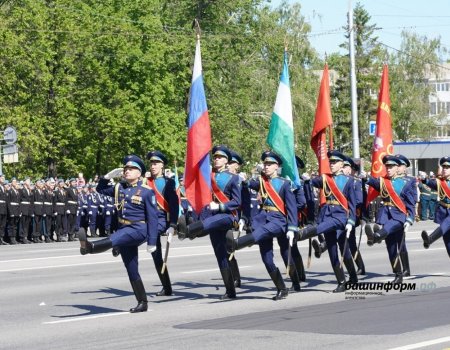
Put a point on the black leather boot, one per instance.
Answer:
(428, 240)
(340, 277)
(228, 281)
(319, 248)
(181, 227)
(353, 278)
(141, 296)
(307, 232)
(370, 234)
(379, 236)
(405, 264)
(282, 291)
(298, 261)
(397, 269)
(12, 240)
(238, 243)
(2, 242)
(165, 281)
(115, 251)
(195, 230)
(294, 275)
(360, 264)
(235, 271)
(87, 247)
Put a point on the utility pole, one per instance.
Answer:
(354, 97)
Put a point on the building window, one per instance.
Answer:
(438, 87)
(448, 107)
(433, 108)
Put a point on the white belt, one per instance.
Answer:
(14, 203)
(25, 202)
(38, 202)
(48, 203)
(72, 202)
(60, 203)
(2, 201)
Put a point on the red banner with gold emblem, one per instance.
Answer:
(382, 144)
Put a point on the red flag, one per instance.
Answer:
(382, 144)
(197, 176)
(323, 121)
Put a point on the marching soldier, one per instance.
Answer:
(278, 215)
(396, 215)
(336, 218)
(109, 214)
(71, 208)
(350, 169)
(26, 209)
(404, 164)
(233, 167)
(3, 209)
(60, 199)
(219, 216)
(168, 209)
(138, 220)
(442, 215)
(14, 211)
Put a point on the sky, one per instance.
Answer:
(427, 18)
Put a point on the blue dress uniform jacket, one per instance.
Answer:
(166, 187)
(407, 193)
(331, 209)
(137, 209)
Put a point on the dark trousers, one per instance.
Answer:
(13, 224)
(71, 221)
(334, 239)
(61, 224)
(3, 219)
(37, 226)
(25, 223)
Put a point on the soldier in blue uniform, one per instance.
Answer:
(278, 215)
(442, 215)
(219, 216)
(138, 218)
(60, 199)
(93, 203)
(396, 215)
(109, 213)
(402, 172)
(168, 209)
(302, 213)
(336, 218)
(13, 211)
(350, 169)
(233, 167)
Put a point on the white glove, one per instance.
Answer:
(43, 215)
(170, 232)
(214, 206)
(108, 213)
(241, 225)
(290, 237)
(422, 175)
(67, 211)
(362, 174)
(306, 177)
(55, 214)
(148, 174)
(20, 215)
(151, 248)
(114, 173)
(406, 227)
(32, 215)
(189, 208)
(348, 229)
(90, 213)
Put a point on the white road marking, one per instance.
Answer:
(111, 261)
(84, 318)
(211, 270)
(423, 344)
(425, 250)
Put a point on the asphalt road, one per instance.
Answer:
(53, 298)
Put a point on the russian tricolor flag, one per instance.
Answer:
(197, 176)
